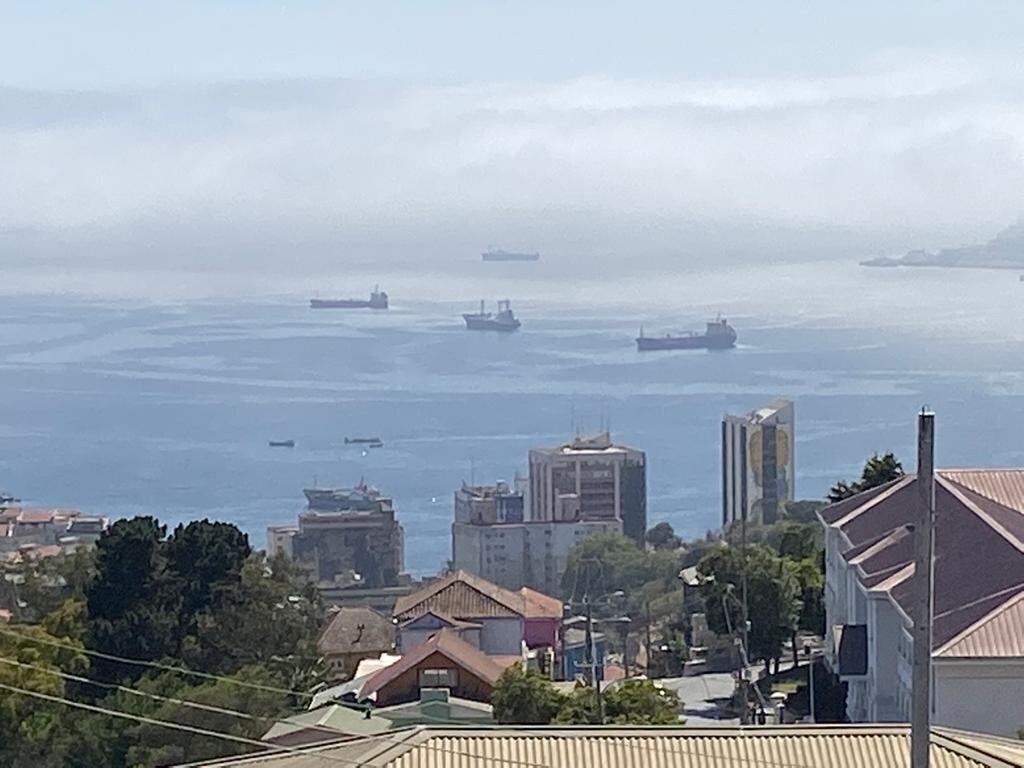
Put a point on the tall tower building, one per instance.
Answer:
(758, 464)
(590, 479)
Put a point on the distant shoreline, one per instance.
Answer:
(887, 262)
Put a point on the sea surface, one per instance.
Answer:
(157, 394)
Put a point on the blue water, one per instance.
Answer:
(165, 407)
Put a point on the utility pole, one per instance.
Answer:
(924, 562)
(647, 636)
(591, 651)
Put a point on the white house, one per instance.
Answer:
(978, 630)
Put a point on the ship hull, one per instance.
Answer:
(655, 343)
(474, 323)
(346, 304)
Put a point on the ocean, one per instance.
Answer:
(157, 393)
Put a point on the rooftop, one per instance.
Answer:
(358, 630)
(449, 645)
(600, 443)
(463, 595)
(977, 600)
(839, 746)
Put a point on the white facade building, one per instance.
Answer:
(978, 630)
(531, 554)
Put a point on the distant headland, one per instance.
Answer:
(1004, 251)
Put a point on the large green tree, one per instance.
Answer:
(525, 697)
(133, 607)
(878, 470)
(773, 603)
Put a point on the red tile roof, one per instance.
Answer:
(448, 644)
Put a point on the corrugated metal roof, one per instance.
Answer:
(845, 746)
(998, 634)
(1005, 486)
(463, 596)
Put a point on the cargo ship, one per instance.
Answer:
(503, 320)
(282, 443)
(362, 497)
(378, 300)
(497, 254)
(719, 335)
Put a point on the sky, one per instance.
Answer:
(227, 133)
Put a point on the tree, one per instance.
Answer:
(662, 536)
(878, 470)
(525, 697)
(206, 560)
(132, 605)
(773, 604)
(31, 729)
(803, 510)
(641, 702)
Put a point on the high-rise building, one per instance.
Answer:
(758, 464)
(487, 504)
(345, 536)
(532, 553)
(590, 479)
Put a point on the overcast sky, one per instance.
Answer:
(155, 129)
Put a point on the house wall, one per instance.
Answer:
(885, 628)
(540, 633)
(500, 636)
(979, 695)
(406, 686)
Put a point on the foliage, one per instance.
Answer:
(34, 587)
(198, 598)
(132, 604)
(803, 510)
(772, 597)
(641, 702)
(662, 536)
(32, 729)
(528, 698)
(525, 697)
(605, 563)
(878, 470)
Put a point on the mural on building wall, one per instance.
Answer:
(755, 452)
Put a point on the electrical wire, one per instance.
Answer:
(267, 748)
(153, 664)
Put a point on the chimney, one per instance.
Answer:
(924, 561)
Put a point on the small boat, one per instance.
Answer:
(282, 443)
(374, 442)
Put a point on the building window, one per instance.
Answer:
(438, 678)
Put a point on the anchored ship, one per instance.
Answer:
(503, 320)
(362, 497)
(378, 300)
(719, 335)
(496, 254)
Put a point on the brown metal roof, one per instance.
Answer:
(999, 633)
(968, 588)
(1005, 486)
(463, 596)
(358, 629)
(842, 746)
